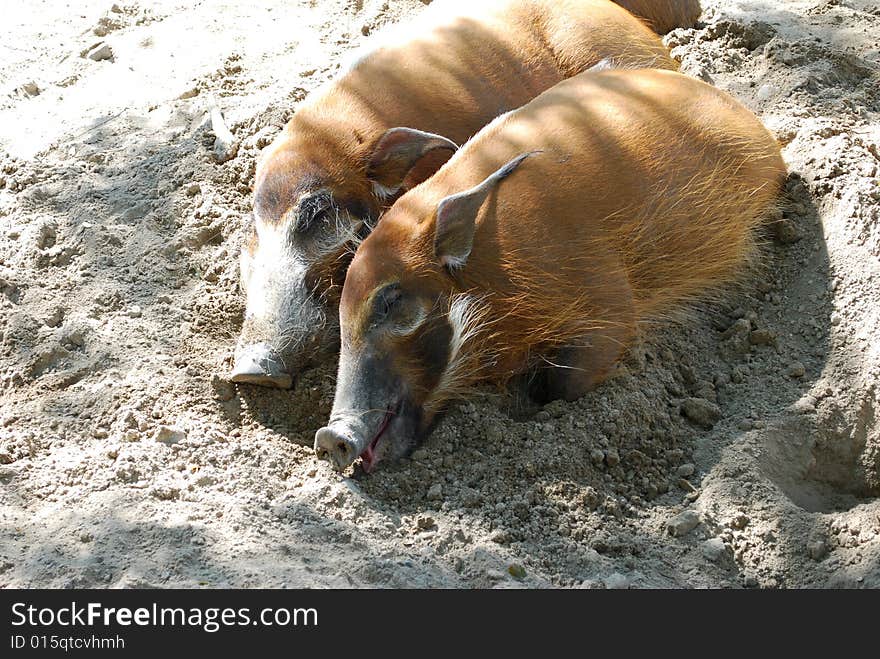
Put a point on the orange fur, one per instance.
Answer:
(646, 194)
(477, 61)
(664, 15)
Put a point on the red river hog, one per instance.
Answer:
(613, 199)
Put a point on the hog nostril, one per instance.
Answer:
(334, 447)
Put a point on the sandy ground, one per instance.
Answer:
(738, 449)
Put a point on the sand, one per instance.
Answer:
(738, 448)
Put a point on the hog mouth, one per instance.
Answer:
(368, 457)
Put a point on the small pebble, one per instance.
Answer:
(169, 435)
(75, 337)
(765, 92)
(30, 89)
(54, 320)
(740, 521)
(225, 144)
(701, 411)
(499, 537)
(435, 492)
(796, 370)
(517, 571)
(101, 52)
(616, 581)
(714, 549)
(762, 337)
(686, 470)
(134, 311)
(817, 550)
(683, 523)
(805, 405)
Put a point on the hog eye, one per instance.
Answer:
(385, 301)
(312, 211)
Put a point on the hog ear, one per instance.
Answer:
(457, 217)
(397, 152)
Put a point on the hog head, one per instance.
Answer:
(407, 328)
(312, 204)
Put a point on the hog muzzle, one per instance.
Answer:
(336, 446)
(260, 364)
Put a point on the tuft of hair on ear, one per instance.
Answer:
(457, 216)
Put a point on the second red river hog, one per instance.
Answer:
(611, 200)
(385, 123)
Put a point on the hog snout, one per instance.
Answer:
(288, 325)
(337, 446)
(260, 364)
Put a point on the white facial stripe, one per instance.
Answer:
(270, 256)
(467, 318)
(464, 318)
(383, 192)
(453, 262)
